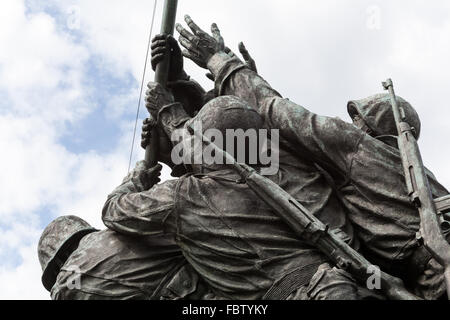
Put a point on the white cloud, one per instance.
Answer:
(41, 81)
(23, 282)
(42, 68)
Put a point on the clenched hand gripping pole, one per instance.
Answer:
(161, 76)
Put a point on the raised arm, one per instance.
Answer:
(328, 141)
(139, 206)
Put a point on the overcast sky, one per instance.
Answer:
(69, 84)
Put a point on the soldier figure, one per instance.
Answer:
(207, 235)
(82, 263)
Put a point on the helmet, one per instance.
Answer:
(228, 112)
(222, 114)
(57, 243)
(377, 113)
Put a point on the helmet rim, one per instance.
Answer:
(51, 269)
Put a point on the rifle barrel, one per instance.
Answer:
(419, 188)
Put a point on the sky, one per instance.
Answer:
(69, 85)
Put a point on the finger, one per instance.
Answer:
(150, 97)
(149, 125)
(159, 37)
(156, 168)
(146, 135)
(144, 139)
(158, 43)
(150, 102)
(159, 50)
(216, 34)
(190, 55)
(152, 85)
(156, 60)
(183, 32)
(144, 143)
(146, 121)
(187, 44)
(191, 24)
(146, 129)
(152, 123)
(247, 57)
(243, 50)
(215, 31)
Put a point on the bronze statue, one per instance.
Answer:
(213, 234)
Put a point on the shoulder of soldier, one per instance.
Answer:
(60, 290)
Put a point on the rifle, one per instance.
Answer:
(310, 228)
(419, 190)
(161, 75)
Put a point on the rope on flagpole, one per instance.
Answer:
(142, 84)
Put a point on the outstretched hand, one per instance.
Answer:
(199, 45)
